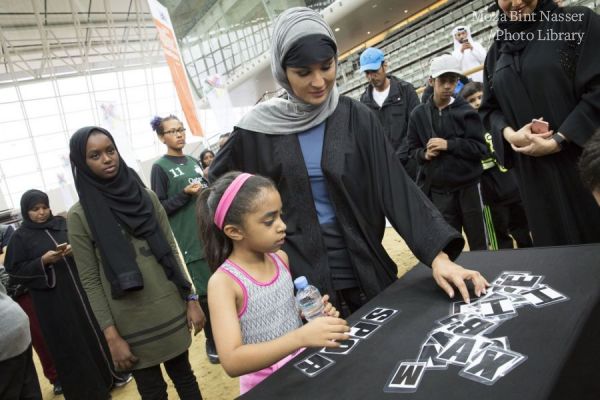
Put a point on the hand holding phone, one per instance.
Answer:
(61, 247)
(539, 126)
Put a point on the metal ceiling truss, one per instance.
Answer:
(42, 44)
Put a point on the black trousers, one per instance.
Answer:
(18, 379)
(152, 386)
(462, 210)
(203, 300)
(510, 220)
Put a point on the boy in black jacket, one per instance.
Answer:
(445, 136)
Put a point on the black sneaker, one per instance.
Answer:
(122, 380)
(211, 352)
(57, 388)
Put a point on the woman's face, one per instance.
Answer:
(173, 134)
(312, 83)
(516, 9)
(101, 156)
(207, 159)
(39, 213)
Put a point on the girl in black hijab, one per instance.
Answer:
(131, 268)
(39, 257)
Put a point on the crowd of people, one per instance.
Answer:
(303, 186)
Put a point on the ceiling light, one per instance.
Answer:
(405, 11)
(337, 29)
(369, 32)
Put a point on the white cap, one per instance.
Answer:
(443, 65)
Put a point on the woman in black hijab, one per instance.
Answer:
(131, 268)
(39, 257)
(544, 63)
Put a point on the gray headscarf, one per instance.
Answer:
(288, 116)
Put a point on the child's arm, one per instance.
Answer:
(159, 182)
(239, 359)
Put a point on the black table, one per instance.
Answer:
(561, 341)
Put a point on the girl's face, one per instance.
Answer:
(173, 134)
(517, 9)
(312, 83)
(207, 159)
(263, 229)
(39, 213)
(475, 100)
(101, 156)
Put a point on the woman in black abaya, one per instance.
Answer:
(545, 64)
(70, 331)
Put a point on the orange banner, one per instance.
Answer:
(168, 42)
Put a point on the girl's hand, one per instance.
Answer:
(51, 257)
(121, 354)
(195, 317)
(192, 189)
(328, 309)
(322, 332)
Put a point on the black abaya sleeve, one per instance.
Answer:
(24, 270)
(411, 213)
(584, 119)
(490, 112)
(226, 157)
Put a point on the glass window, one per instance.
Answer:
(164, 90)
(72, 85)
(19, 166)
(45, 125)
(37, 90)
(10, 112)
(44, 144)
(166, 105)
(105, 81)
(161, 74)
(137, 94)
(8, 95)
(79, 119)
(108, 96)
(53, 176)
(13, 130)
(77, 102)
(137, 110)
(16, 149)
(41, 108)
(20, 184)
(146, 153)
(134, 77)
(147, 137)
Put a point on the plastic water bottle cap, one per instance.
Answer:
(300, 282)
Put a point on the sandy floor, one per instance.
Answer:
(214, 382)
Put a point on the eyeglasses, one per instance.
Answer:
(175, 131)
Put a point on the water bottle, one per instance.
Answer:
(308, 299)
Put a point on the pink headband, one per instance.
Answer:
(228, 197)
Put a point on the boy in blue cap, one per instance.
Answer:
(392, 100)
